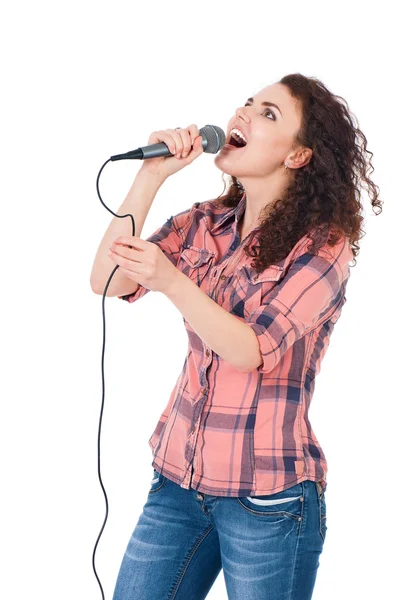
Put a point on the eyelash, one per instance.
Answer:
(266, 110)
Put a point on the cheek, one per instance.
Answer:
(271, 148)
(272, 141)
(264, 153)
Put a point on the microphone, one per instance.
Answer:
(213, 139)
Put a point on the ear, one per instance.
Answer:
(305, 156)
(302, 158)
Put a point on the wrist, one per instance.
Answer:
(174, 284)
(154, 179)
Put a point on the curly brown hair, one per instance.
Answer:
(323, 198)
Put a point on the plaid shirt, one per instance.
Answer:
(231, 433)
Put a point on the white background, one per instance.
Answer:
(85, 80)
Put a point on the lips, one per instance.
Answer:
(229, 147)
(236, 143)
(238, 126)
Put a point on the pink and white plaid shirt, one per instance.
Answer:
(230, 433)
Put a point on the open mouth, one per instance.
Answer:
(236, 140)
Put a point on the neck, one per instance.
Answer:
(260, 193)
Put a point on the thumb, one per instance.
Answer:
(196, 150)
(198, 147)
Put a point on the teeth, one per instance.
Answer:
(239, 133)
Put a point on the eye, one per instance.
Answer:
(267, 110)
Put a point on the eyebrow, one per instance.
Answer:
(266, 104)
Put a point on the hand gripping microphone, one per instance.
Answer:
(213, 139)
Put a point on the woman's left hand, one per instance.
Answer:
(143, 262)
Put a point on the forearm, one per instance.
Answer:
(137, 202)
(225, 334)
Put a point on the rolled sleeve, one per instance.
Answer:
(169, 237)
(310, 293)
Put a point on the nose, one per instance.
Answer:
(241, 113)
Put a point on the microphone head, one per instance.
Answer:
(213, 138)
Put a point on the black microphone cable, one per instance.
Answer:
(102, 371)
(213, 138)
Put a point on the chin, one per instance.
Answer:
(222, 164)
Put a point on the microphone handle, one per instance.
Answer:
(151, 151)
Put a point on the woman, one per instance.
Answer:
(239, 475)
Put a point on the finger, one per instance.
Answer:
(126, 246)
(134, 257)
(167, 138)
(177, 140)
(129, 273)
(197, 145)
(130, 241)
(122, 261)
(197, 149)
(186, 142)
(194, 132)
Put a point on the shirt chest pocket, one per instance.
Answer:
(195, 262)
(251, 287)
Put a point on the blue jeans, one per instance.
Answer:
(268, 546)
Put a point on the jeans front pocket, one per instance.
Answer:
(322, 510)
(158, 481)
(287, 503)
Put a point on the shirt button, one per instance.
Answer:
(223, 276)
(204, 391)
(207, 352)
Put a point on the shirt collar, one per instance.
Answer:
(235, 212)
